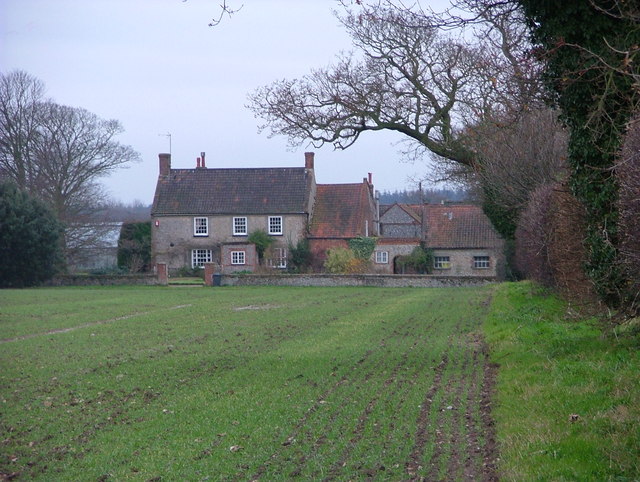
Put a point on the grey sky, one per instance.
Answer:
(157, 67)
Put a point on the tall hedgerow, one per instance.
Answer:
(591, 55)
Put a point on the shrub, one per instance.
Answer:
(628, 176)
(30, 237)
(262, 242)
(419, 261)
(549, 242)
(134, 247)
(533, 237)
(299, 256)
(344, 261)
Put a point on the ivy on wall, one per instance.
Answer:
(585, 49)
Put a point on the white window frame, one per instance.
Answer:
(199, 257)
(279, 223)
(201, 226)
(240, 226)
(481, 262)
(238, 257)
(382, 257)
(279, 259)
(441, 262)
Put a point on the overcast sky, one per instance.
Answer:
(158, 68)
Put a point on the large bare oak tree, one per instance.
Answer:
(58, 153)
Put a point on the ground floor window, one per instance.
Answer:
(238, 257)
(382, 257)
(441, 262)
(481, 261)
(279, 258)
(199, 257)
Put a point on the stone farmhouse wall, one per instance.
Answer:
(462, 262)
(173, 239)
(393, 251)
(396, 223)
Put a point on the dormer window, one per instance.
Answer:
(275, 225)
(240, 226)
(201, 226)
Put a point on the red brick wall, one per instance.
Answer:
(251, 258)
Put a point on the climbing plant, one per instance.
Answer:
(362, 246)
(589, 54)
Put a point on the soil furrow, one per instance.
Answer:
(421, 435)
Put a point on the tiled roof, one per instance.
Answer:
(232, 191)
(412, 210)
(459, 226)
(340, 211)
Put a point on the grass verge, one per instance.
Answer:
(568, 391)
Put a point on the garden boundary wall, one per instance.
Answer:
(381, 280)
(105, 280)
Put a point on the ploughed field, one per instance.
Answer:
(252, 383)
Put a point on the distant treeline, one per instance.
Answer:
(121, 212)
(431, 196)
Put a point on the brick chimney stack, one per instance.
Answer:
(165, 164)
(202, 157)
(308, 160)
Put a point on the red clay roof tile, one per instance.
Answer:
(340, 211)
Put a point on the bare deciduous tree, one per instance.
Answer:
(58, 153)
(517, 157)
(411, 78)
(20, 119)
(225, 10)
(74, 150)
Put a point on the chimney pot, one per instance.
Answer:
(202, 156)
(197, 162)
(308, 159)
(370, 178)
(165, 164)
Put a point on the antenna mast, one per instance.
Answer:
(168, 135)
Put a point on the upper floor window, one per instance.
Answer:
(238, 257)
(239, 226)
(382, 257)
(199, 257)
(441, 262)
(201, 226)
(481, 261)
(275, 225)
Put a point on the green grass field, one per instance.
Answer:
(243, 383)
(191, 383)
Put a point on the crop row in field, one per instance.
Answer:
(246, 383)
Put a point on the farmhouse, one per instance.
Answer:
(202, 215)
